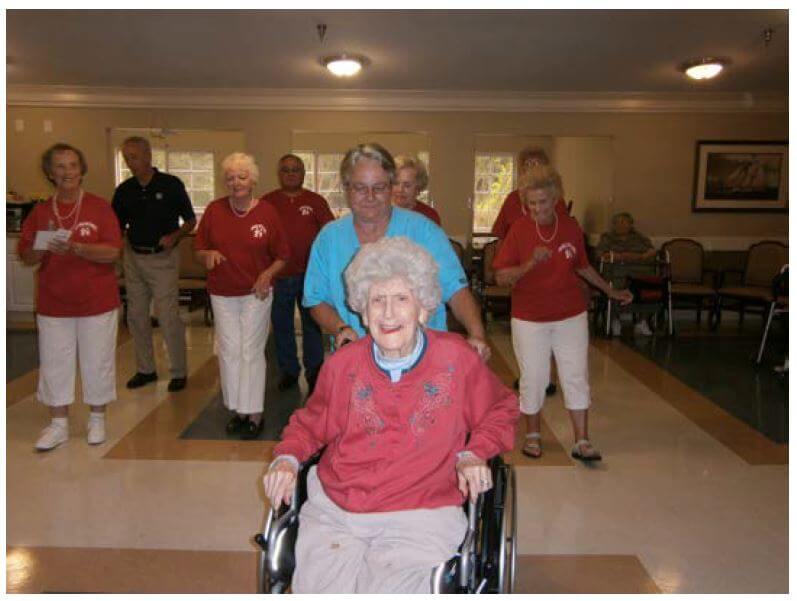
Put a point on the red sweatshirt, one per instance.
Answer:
(393, 447)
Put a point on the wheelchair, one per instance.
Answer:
(649, 282)
(485, 562)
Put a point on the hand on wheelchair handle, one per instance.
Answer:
(279, 484)
(473, 477)
(624, 296)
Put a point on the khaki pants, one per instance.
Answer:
(391, 552)
(149, 277)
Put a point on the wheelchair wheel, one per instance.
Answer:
(507, 548)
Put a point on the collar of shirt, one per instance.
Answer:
(395, 368)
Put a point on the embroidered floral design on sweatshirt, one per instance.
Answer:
(364, 408)
(435, 396)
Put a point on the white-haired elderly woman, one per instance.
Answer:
(408, 416)
(367, 174)
(412, 178)
(542, 258)
(241, 242)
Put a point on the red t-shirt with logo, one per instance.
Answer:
(68, 285)
(250, 244)
(302, 218)
(427, 211)
(549, 291)
(513, 209)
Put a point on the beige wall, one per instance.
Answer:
(652, 163)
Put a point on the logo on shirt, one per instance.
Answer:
(159, 195)
(258, 230)
(85, 228)
(568, 249)
(306, 210)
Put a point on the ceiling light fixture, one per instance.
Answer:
(704, 68)
(344, 65)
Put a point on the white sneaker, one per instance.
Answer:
(642, 329)
(617, 327)
(51, 437)
(96, 433)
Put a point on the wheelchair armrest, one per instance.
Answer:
(467, 550)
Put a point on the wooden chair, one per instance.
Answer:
(193, 279)
(691, 285)
(491, 293)
(778, 305)
(763, 263)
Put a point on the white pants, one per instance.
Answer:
(61, 341)
(241, 330)
(533, 342)
(339, 551)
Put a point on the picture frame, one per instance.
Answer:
(741, 176)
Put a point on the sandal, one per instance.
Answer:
(533, 446)
(578, 451)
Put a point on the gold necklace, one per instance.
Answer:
(555, 229)
(237, 212)
(75, 211)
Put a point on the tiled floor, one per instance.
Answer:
(687, 499)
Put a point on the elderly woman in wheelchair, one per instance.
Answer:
(408, 417)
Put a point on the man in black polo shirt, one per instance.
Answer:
(148, 206)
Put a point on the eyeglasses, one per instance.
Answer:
(376, 190)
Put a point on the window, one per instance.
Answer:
(194, 168)
(494, 179)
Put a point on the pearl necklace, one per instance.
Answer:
(555, 229)
(237, 212)
(75, 211)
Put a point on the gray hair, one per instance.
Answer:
(372, 152)
(541, 177)
(421, 174)
(388, 258)
(140, 140)
(241, 160)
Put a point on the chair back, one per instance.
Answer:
(764, 260)
(780, 285)
(459, 250)
(686, 260)
(488, 274)
(190, 268)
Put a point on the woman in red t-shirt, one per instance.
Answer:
(241, 242)
(412, 178)
(74, 238)
(542, 258)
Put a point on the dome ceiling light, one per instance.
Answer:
(344, 65)
(704, 68)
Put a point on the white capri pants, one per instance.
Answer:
(533, 342)
(338, 551)
(61, 341)
(242, 324)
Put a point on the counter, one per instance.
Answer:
(20, 278)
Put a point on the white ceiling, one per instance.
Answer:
(494, 51)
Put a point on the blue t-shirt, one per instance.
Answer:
(337, 243)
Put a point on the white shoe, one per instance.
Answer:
(617, 327)
(96, 433)
(642, 329)
(51, 437)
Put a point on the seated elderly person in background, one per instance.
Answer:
(408, 416)
(412, 178)
(367, 174)
(623, 244)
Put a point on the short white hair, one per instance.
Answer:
(241, 160)
(410, 162)
(386, 259)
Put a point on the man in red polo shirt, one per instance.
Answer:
(303, 213)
